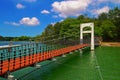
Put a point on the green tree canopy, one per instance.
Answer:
(106, 26)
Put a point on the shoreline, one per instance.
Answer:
(114, 44)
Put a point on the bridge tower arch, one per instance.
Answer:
(82, 26)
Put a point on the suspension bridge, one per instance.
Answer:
(15, 57)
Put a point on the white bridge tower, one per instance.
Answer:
(91, 25)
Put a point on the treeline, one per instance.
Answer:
(6, 38)
(21, 38)
(107, 26)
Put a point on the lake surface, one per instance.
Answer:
(2, 43)
(103, 63)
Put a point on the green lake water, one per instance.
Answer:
(103, 63)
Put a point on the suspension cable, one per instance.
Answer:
(58, 38)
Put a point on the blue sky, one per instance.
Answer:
(30, 17)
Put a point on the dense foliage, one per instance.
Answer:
(106, 26)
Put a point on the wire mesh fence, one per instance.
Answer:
(15, 57)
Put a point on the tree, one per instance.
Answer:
(57, 28)
(103, 16)
(1, 38)
(108, 30)
(114, 16)
(22, 38)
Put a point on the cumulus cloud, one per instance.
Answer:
(45, 12)
(29, 21)
(20, 6)
(30, 0)
(12, 23)
(70, 7)
(102, 10)
(25, 21)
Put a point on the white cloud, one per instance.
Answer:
(113, 1)
(20, 6)
(45, 12)
(61, 20)
(55, 16)
(29, 21)
(30, 0)
(53, 23)
(102, 10)
(12, 23)
(25, 21)
(116, 1)
(70, 7)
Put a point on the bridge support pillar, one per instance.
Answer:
(10, 77)
(76, 50)
(70, 52)
(54, 59)
(36, 65)
(63, 55)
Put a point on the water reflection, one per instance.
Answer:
(92, 58)
(92, 53)
(2, 43)
(81, 52)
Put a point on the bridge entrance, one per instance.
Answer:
(84, 25)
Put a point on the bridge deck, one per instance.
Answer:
(17, 62)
